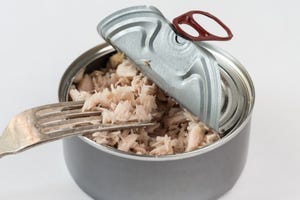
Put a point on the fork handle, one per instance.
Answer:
(19, 134)
(11, 142)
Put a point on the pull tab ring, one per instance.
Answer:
(203, 34)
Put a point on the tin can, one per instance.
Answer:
(106, 173)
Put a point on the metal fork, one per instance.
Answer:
(52, 122)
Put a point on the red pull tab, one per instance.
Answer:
(188, 19)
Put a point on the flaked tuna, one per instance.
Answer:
(123, 94)
(126, 69)
(128, 142)
(78, 95)
(195, 136)
(86, 83)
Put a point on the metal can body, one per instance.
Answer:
(107, 174)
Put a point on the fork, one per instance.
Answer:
(52, 122)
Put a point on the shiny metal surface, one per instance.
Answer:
(104, 176)
(204, 174)
(237, 90)
(50, 122)
(180, 67)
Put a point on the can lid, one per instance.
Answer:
(237, 90)
(184, 70)
(232, 101)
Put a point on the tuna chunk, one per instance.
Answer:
(195, 136)
(128, 142)
(123, 111)
(210, 138)
(115, 60)
(122, 94)
(86, 84)
(126, 69)
(108, 138)
(79, 95)
(162, 146)
(102, 98)
(141, 114)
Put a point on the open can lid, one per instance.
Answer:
(185, 70)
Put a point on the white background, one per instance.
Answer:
(39, 39)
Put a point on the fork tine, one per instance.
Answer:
(69, 123)
(94, 128)
(66, 115)
(56, 107)
(60, 104)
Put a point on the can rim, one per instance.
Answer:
(107, 48)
